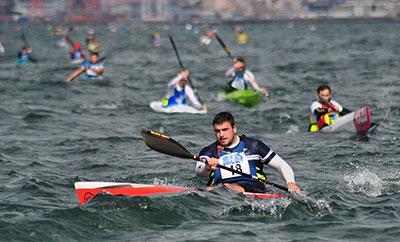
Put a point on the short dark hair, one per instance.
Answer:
(223, 117)
(323, 87)
(240, 59)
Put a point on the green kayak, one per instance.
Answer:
(246, 97)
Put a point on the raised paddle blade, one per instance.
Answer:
(166, 145)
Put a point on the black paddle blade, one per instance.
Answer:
(166, 145)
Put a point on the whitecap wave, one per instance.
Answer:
(365, 182)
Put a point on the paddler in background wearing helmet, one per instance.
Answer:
(325, 110)
(92, 44)
(242, 78)
(76, 53)
(179, 91)
(92, 69)
(59, 31)
(241, 153)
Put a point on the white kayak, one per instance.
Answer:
(358, 121)
(77, 61)
(157, 106)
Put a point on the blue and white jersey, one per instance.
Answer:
(242, 80)
(179, 98)
(248, 156)
(177, 94)
(90, 69)
(77, 55)
(24, 57)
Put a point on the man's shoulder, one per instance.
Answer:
(247, 72)
(210, 149)
(315, 103)
(251, 143)
(249, 139)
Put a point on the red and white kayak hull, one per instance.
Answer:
(86, 191)
(358, 121)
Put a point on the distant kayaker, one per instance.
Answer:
(207, 38)
(178, 90)
(92, 44)
(25, 55)
(2, 50)
(325, 110)
(241, 153)
(156, 39)
(76, 53)
(92, 69)
(242, 78)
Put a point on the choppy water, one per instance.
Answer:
(53, 134)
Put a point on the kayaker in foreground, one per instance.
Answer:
(240, 153)
(242, 78)
(92, 69)
(178, 90)
(325, 110)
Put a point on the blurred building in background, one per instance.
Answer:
(196, 11)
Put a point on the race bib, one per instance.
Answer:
(238, 83)
(236, 161)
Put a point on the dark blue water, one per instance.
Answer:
(53, 134)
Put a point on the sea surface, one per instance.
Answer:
(54, 133)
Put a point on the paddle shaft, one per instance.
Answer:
(182, 67)
(23, 37)
(221, 42)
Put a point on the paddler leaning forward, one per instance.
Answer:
(241, 153)
(325, 110)
(179, 91)
(242, 78)
(92, 69)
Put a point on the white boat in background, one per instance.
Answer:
(2, 50)
(77, 61)
(157, 106)
(358, 121)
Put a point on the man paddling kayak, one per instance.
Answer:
(242, 78)
(325, 110)
(76, 53)
(25, 55)
(243, 154)
(178, 90)
(92, 44)
(92, 69)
